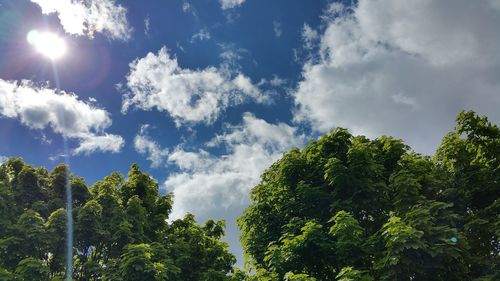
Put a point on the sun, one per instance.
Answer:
(47, 43)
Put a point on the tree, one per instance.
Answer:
(116, 231)
(32, 269)
(348, 237)
(342, 208)
(140, 184)
(380, 211)
(146, 262)
(56, 230)
(296, 252)
(136, 217)
(113, 239)
(27, 191)
(30, 230)
(7, 208)
(468, 156)
(350, 274)
(80, 191)
(59, 178)
(88, 228)
(197, 251)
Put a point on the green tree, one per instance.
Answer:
(197, 251)
(113, 239)
(32, 269)
(7, 208)
(56, 230)
(296, 251)
(350, 274)
(136, 217)
(79, 191)
(27, 191)
(146, 262)
(140, 184)
(31, 230)
(468, 156)
(349, 237)
(392, 214)
(59, 178)
(88, 228)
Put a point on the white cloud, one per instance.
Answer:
(230, 4)
(211, 186)
(147, 26)
(309, 36)
(144, 144)
(86, 17)
(106, 142)
(278, 30)
(231, 55)
(277, 81)
(189, 96)
(403, 68)
(186, 6)
(42, 107)
(189, 8)
(201, 35)
(3, 159)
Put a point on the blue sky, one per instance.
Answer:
(206, 94)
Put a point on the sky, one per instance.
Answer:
(206, 94)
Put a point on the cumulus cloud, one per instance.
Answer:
(144, 144)
(107, 142)
(230, 4)
(42, 107)
(86, 17)
(403, 68)
(189, 96)
(211, 186)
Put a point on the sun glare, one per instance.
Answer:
(47, 44)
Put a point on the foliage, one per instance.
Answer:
(343, 208)
(121, 230)
(349, 208)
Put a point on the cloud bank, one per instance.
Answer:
(42, 107)
(403, 68)
(86, 17)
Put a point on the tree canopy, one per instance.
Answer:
(342, 208)
(349, 208)
(121, 230)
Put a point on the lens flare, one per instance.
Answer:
(47, 43)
